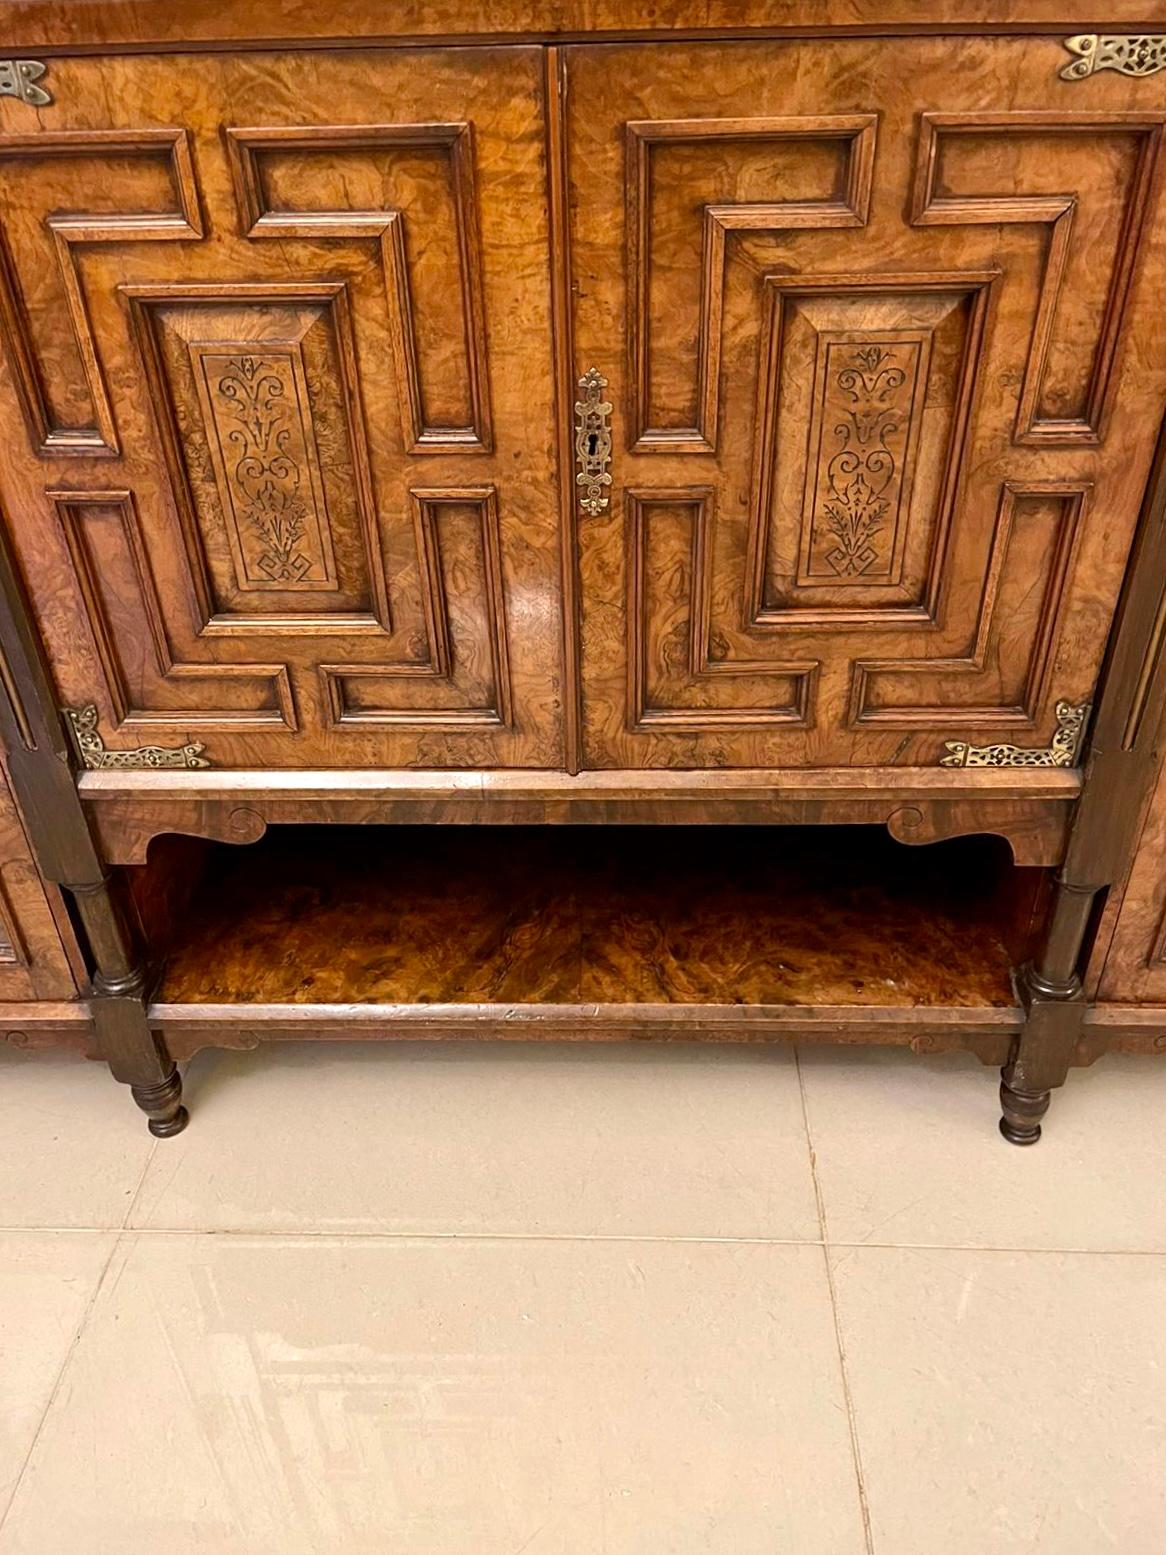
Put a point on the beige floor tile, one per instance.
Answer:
(72, 1143)
(47, 1280)
(908, 1152)
(366, 1394)
(503, 1138)
(1008, 1403)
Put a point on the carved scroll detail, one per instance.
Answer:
(868, 396)
(273, 498)
(83, 722)
(1062, 752)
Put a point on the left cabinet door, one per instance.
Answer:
(277, 403)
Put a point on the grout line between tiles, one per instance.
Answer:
(98, 1286)
(824, 1243)
(258, 1233)
(119, 1233)
(137, 1193)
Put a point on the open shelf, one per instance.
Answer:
(515, 919)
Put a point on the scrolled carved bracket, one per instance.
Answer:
(1131, 54)
(91, 748)
(20, 77)
(1062, 752)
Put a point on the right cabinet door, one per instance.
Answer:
(880, 324)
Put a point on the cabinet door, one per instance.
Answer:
(278, 402)
(880, 325)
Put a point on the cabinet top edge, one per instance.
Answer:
(874, 783)
(85, 26)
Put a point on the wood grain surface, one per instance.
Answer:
(619, 916)
(33, 24)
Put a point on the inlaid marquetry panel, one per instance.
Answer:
(864, 395)
(880, 343)
(262, 438)
(313, 357)
(863, 445)
(258, 396)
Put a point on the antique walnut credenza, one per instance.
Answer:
(514, 514)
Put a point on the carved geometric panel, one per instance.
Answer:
(410, 188)
(692, 184)
(675, 660)
(267, 309)
(1087, 178)
(1000, 674)
(59, 192)
(866, 389)
(255, 391)
(865, 500)
(132, 631)
(460, 676)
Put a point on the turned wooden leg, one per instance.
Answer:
(1054, 1005)
(136, 1055)
(162, 1104)
(1022, 1110)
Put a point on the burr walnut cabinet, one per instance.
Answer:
(641, 465)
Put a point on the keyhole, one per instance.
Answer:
(592, 444)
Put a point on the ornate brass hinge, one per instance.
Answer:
(90, 745)
(19, 77)
(1133, 54)
(1061, 753)
(593, 442)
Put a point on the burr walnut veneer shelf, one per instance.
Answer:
(619, 933)
(689, 417)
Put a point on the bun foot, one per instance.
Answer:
(1022, 1111)
(162, 1104)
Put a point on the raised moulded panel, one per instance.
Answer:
(60, 192)
(864, 398)
(460, 676)
(692, 185)
(255, 391)
(677, 663)
(1085, 179)
(410, 188)
(148, 685)
(999, 675)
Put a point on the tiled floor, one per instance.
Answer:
(581, 1300)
